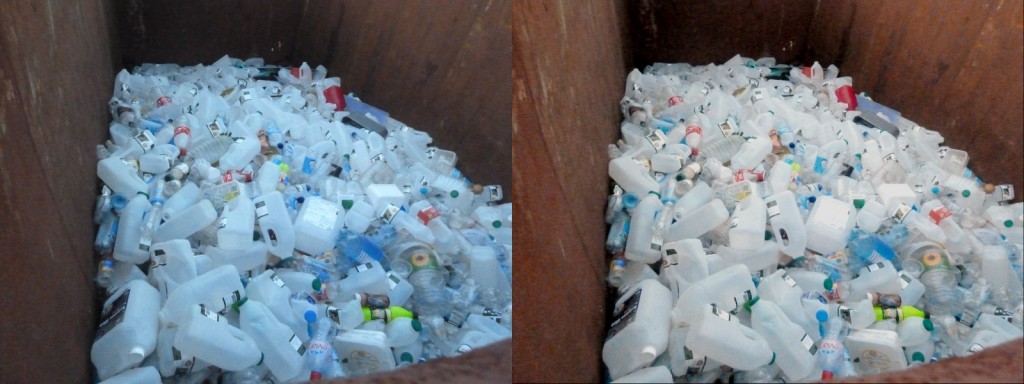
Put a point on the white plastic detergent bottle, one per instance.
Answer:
(216, 290)
(208, 336)
(793, 347)
(128, 329)
(787, 224)
(727, 289)
(718, 337)
(283, 349)
(639, 245)
(640, 332)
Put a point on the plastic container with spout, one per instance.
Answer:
(728, 342)
(211, 339)
(131, 245)
(727, 289)
(270, 290)
(275, 224)
(284, 353)
(631, 176)
(639, 244)
(216, 290)
(234, 231)
(697, 222)
(119, 176)
(187, 222)
(128, 329)
(794, 349)
(640, 332)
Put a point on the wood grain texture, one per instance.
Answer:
(491, 364)
(568, 73)
(951, 66)
(440, 67)
(56, 67)
(706, 31)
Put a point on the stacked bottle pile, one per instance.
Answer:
(767, 222)
(258, 224)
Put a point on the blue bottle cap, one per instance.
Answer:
(821, 315)
(310, 316)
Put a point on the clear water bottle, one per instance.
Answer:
(425, 275)
(941, 296)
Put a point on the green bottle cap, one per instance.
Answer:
(828, 284)
(238, 304)
(751, 303)
(454, 194)
(416, 326)
(966, 193)
(496, 224)
(928, 325)
(768, 235)
(917, 356)
(317, 284)
(1008, 223)
(407, 357)
(858, 203)
(347, 204)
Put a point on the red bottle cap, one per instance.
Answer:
(334, 96)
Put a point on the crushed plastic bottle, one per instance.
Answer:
(859, 241)
(332, 229)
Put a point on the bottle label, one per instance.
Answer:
(875, 266)
(380, 314)
(277, 280)
(1006, 191)
(934, 259)
(1003, 314)
(423, 259)
(720, 313)
(216, 129)
(208, 313)
(145, 139)
(900, 213)
(727, 127)
(261, 210)
(657, 240)
(114, 315)
(808, 344)
(364, 267)
(428, 214)
(333, 313)
(231, 298)
(296, 344)
(745, 297)
(905, 280)
(938, 214)
(321, 213)
(656, 138)
(389, 213)
(892, 313)
(393, 280)
(844, 313)
(626, 316)
(145, 242)
(773, 208)
(158, 260)
(788, 279)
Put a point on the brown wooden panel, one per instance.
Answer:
(568, 73)
(191, 32)
(951, 66)
(441, 67)
(58, 64)
(491, 364)
(705, 31)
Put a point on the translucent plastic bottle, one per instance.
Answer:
(130, 246)
(119, 176)
(425, 275)
(697, 222)
(728, 289)
(794, 349)
(276, 226)
(914, 331)
(367, 277)
(284, 353)
(215, 290)
(746, 230)
(716, 336)
(941, 296)
(832, 351)
(208, 336)
(787, 225)
(270, 290)
(640, 332)
(187, 222)
(631, 176)
(316, 226)
(128, 329)
(234, 231)
(639, 245)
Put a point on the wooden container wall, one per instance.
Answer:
(569, 72)
(439, 67)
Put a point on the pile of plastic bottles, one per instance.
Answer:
(767, 224)
(257, 225)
